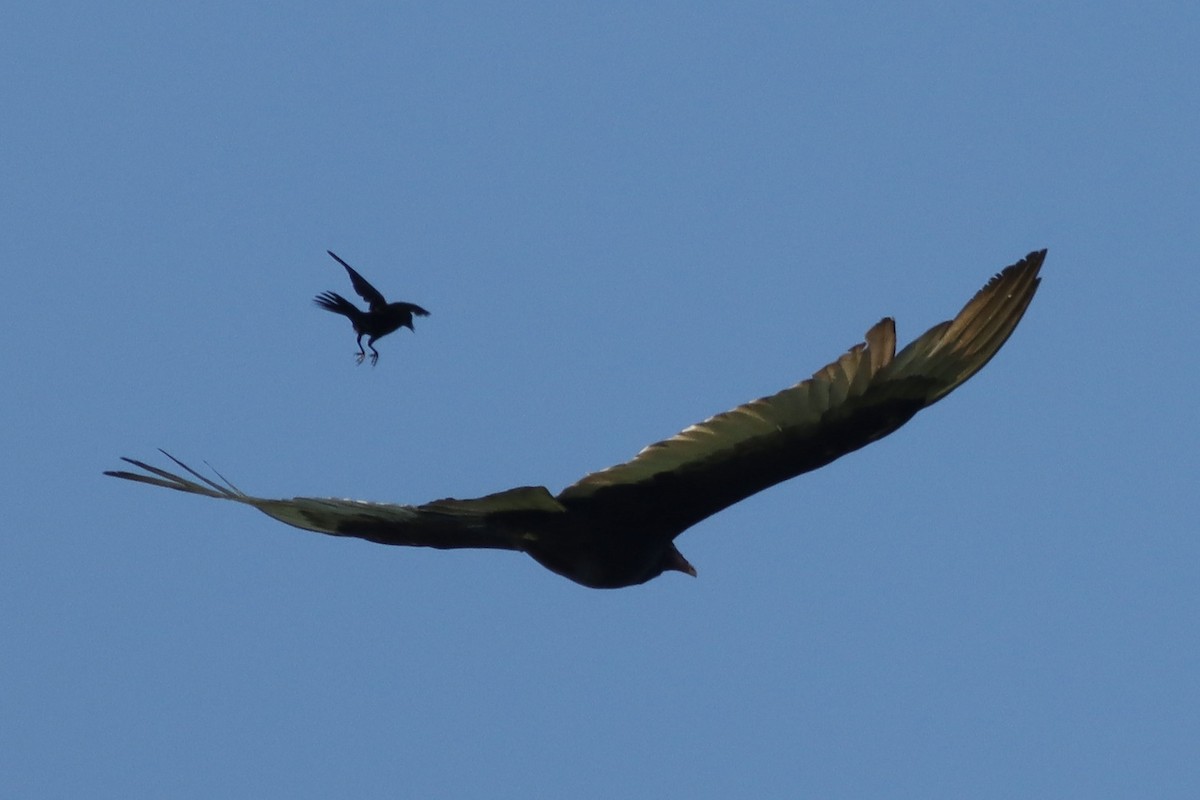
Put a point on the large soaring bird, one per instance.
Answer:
(380, 318)
(617, 527)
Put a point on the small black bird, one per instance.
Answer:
(382, 317)
(617, 527)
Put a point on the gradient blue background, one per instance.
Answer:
(624, 217)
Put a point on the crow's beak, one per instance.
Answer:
(676, 562)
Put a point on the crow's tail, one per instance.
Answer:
(332, 301)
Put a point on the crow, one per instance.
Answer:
(378, 321)
(617, 527)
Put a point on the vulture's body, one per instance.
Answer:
(617, 527)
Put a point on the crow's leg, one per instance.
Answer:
(358, 359)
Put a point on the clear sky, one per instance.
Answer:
(624, 217)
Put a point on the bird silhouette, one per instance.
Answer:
(381, 317)
(617, 527)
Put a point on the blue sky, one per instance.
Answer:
(624, 217)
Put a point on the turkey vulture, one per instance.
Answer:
(617, 527)
(378, 321)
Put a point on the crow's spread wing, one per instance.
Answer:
(444, 524)
(863, 396)
(412, 308)
(365, 290)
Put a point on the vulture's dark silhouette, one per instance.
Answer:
(380, 318)
(617, 527)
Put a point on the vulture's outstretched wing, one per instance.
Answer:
(365, 290)
(445, 524)
(863, 396)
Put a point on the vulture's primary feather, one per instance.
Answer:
(617, 527)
